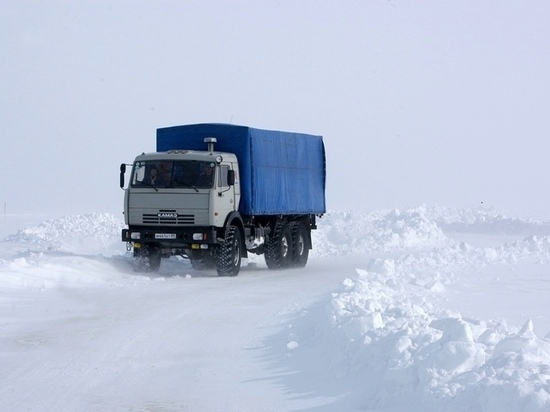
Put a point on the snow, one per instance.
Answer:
(422, 309)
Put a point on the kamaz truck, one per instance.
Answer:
(213, 193)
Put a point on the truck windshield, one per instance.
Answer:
(173, 174)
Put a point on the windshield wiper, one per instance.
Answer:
(150, 185)
(181, 182)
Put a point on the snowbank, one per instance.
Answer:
(352, 233)
(97, 233)
(392, 348)
(407, 352)
(484, 220)
(66, 252)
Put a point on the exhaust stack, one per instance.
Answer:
(210, 141)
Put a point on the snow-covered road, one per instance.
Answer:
(172, 342)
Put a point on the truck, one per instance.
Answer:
(213, 193)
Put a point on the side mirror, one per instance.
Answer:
(230, 177)
(122, 171)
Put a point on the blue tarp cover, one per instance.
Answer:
(280, 172)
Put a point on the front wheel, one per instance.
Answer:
(146, 258)
(228, 258)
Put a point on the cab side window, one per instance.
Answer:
(222, 181)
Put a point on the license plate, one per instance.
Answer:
(165, 235)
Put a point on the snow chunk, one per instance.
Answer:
(453, 330)
(292, 345)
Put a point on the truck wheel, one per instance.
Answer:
(146, 259)
(278, 253)
(300, 244)
(228, 258)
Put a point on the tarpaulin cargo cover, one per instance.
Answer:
(280, 172)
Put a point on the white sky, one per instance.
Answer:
(436, 102)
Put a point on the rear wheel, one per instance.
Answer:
(300, 244)
(228, 262)
(278, 253)
(146, 258)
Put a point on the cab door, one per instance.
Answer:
(225, 196)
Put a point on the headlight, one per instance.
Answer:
(219, 159)
(199, 236)
(135, 235)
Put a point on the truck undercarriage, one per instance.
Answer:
(284, 244)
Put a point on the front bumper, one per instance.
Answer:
(170, 236)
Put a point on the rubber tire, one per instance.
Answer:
(147, 259)
(300, 244)
(278, 253)
(228, 258)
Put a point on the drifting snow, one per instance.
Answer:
(383, 340)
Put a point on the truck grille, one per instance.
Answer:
(168, 217)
